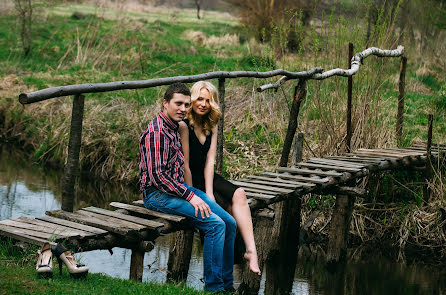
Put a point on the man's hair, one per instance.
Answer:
(176, 88)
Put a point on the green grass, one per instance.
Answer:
(18, 276)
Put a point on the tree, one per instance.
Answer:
(262, 16)
(24, 9)
(198, 4)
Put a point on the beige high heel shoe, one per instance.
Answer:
(75, 269)
(44, 264)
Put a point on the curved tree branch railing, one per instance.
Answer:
(355, 65)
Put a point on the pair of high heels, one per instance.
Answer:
(44, 264)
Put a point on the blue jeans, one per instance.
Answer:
(219, 234)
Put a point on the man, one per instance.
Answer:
(162, 184)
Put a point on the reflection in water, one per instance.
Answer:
(29, 190)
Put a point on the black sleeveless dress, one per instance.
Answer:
(223, 189)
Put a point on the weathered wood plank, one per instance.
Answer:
(28, 233)
(260, 196)
(399, 152)
(112, 220)
(375, 156)
(277, 179)
(21, 236)
(408, 151)
(147, 212)
(308, 171)
(374, 153)
(75, 225)
(337, 162)
(145, 222)
(358, 159)
(55, 226)
(244, 184)
(298, 177)
(91, 221)
(29, 226)
(272, 183)
(328, 167)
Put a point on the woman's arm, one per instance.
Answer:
(184, 138)
(209, 166)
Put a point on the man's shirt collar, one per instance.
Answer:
(168, 121)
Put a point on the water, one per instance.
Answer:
(29, 190)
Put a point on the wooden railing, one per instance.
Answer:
(316, 73)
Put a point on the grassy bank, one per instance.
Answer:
(18, 276)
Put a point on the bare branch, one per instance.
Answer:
(26, 98)
(355, 64)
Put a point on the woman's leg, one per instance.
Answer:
(242, 215)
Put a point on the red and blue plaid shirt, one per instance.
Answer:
(161, 158)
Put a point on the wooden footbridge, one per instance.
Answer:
(134, 227)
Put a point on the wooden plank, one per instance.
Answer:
(336, 162)
(277, 179)
(358, 159)
(27, 233)
(21, 236)
(398, 152)
(145, 222)
(308, 171)
(116, 222)
(259, 196)
(298, 177)
(55, 226)
(262, 187)
(75, 225)
(408, 151)
(91, 221)
(369, 156)
(37, 228)
(373, 153)
(147, 212)
(329, 167)
(272, 183)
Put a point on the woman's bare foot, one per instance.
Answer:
(253, 262)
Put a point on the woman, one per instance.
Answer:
(199, 140)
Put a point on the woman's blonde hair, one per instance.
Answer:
(210, 120)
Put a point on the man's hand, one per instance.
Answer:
(201, 206)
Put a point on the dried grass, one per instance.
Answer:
(200, 38)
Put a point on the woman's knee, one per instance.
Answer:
(239, 197)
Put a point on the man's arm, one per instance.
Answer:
(157, 148)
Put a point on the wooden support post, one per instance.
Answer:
(299, 95)
(339, 229)
(179, 256)
(74, 146)
(282, 257)
(349, 100)
(221, 123)
(136, 265)
(401, 86)
(298, 148)
(428, 171)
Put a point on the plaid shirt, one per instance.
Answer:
(162, 159)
